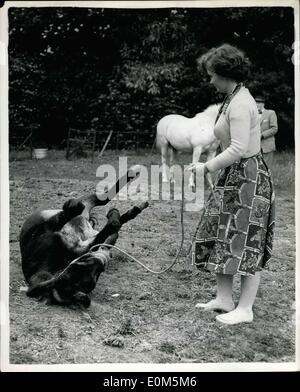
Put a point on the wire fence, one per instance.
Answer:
(112, 140)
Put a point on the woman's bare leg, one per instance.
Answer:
(243, 312)
(223, 301)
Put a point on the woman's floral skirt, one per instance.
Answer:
(235, 234)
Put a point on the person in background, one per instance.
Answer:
(268, 128)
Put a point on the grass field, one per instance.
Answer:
(136, 316)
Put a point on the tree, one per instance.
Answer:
(129, 68)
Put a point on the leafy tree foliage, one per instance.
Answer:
(124, 69)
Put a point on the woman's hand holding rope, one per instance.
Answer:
(201, 168)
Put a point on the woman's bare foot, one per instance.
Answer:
(236, 316)
(217, 304)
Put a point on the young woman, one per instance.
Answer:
(235, 234)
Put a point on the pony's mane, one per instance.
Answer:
(211, 110)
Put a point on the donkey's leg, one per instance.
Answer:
(112, 226)
(112, 239)
(196, 156)
(126, 217)
(95, 200)
(133, 212)
(55, 220)
(115, 221)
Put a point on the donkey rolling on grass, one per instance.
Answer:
(179, 133)
(57, 260)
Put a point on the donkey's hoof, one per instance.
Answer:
(112, 211)
(73, 207)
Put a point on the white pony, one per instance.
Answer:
(179, 133)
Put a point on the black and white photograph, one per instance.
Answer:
(148, 209)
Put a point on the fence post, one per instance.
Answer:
(105, 144)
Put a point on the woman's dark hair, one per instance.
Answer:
(227, 61)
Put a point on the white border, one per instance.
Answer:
(155, 4)
(4, 189)
(155, 367)
(297, 183)
(4, 197)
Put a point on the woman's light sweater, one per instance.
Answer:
(238, 130)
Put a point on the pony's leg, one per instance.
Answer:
(164, 159)
(196, 156)
(171, 152)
